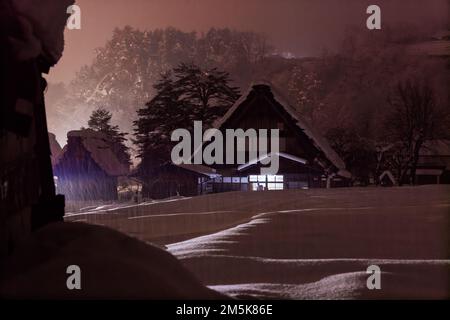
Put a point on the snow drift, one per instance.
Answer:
(113, 266)
(321, 247)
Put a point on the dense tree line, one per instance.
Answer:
(122, 76)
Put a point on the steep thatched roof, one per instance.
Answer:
(318, 141)
(96, 144)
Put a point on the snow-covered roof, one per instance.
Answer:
(318, 141)
(436, 148)
(96, 144)
(435, 153)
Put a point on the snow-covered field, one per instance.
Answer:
(302, 243)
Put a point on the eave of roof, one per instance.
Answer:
(278, 154)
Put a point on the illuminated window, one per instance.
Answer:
(275, 186)
(261, 178)
(258, 186)
(269, 182)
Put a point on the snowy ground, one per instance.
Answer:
(303, 243)
(112, 266)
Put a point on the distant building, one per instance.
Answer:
(434, 163)
(306, 159)
(433, 166)
(87, 168)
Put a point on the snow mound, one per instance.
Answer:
(249, 275)
(113, 266)
(43, 24)
(322, 249)
(351, 285)
(341, 286)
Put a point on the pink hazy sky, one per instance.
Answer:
(303, 27)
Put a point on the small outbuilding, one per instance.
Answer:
(87, 168)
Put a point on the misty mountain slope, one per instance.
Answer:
(348, 86)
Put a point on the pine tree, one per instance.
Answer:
(207, 92)
(100, 121)
(184, 95)
(162, 114)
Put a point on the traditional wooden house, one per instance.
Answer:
(87, 169)
(433, 166)
(306, 160)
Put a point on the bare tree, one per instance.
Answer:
(414, 119)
